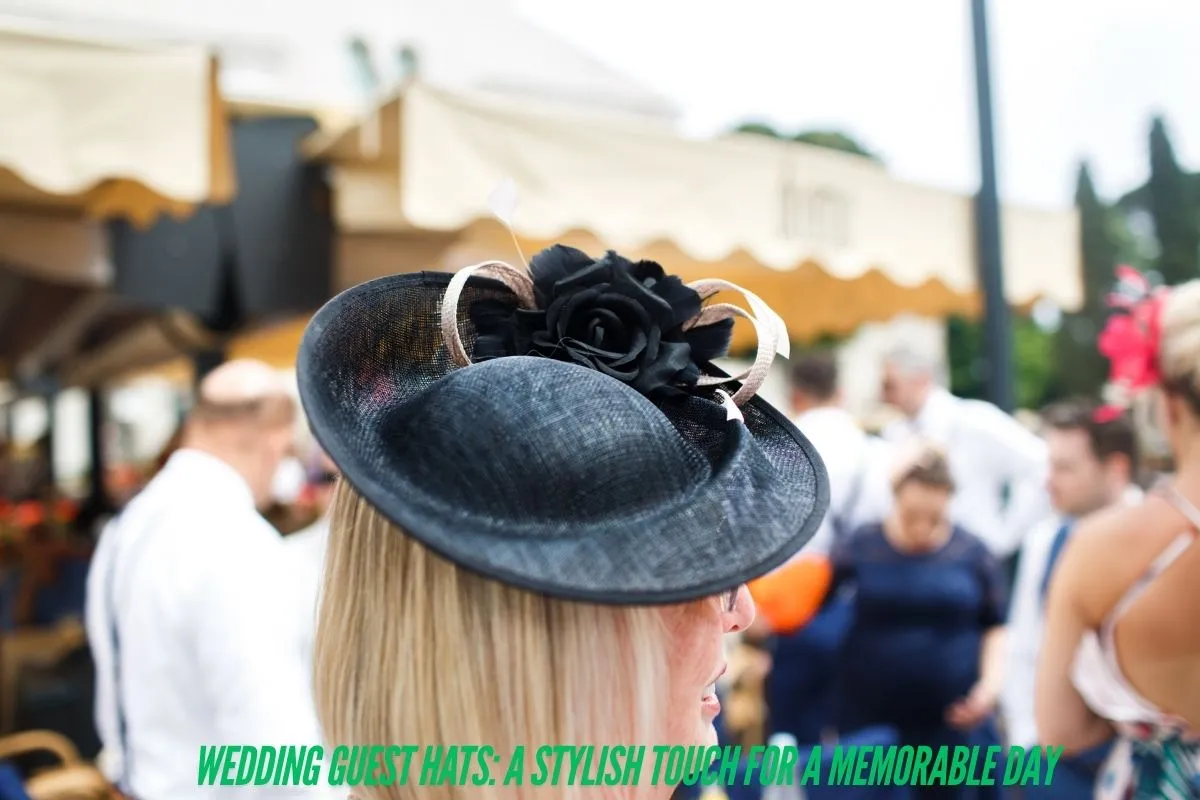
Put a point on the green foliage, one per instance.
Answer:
(1082, 370)
(758, 129)
(1140, 197)
(964, 351)
(1129, 249)
(832, 140)
(1096, 242)
(1033, 352)
(1174, 206)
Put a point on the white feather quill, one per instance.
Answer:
(503, 204)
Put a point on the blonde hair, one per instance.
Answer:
(1179, 354)
(412, 649)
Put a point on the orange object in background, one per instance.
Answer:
(29, 514)
(65, 510)
(790, 597)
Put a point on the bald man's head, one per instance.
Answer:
(242, 380)
(245, 416)
(244, 391)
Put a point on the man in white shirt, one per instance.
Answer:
(1091, 466)
(991, 454)
(798, 688)
(858, 464)
(190, 610)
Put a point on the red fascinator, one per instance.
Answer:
(1131, 339)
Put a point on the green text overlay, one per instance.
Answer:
(662, 765)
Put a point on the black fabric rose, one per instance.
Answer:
(616, 316)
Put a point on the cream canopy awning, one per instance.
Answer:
(107, 128)
(787, 217)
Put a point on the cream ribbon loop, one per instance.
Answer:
(772, 333)
(516, 279)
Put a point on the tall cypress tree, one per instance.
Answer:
(1082, 370)
(1174, 207)
(1096, 243)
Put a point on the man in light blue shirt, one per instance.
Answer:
(1092, 465)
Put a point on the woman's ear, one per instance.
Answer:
(1176, 410)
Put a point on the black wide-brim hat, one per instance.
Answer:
(540, 472)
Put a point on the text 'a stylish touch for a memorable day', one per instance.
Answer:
(569, 765)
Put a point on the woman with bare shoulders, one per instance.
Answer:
(1122, 646)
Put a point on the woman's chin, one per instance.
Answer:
(707, 735)
(703, 734)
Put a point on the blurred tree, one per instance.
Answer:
(1065, 362)
(1099, 229)
(1037, 365)
(964, 352)
(1130, 249)
(758, 129)
(1174, 206)
(833, 140)
(1082, 370)
(1140, 197)
(1033, 350)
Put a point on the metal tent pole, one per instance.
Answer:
(997, 316)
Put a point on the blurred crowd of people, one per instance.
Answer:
(917, 615)
(920, 608)
(917, 609)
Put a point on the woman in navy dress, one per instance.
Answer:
(924, 653)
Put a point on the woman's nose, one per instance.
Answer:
(743, 612)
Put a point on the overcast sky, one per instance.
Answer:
(1071, 78)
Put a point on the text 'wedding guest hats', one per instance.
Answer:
(560, 427)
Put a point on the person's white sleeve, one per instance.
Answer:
(896, 432)
(248, 646)
(875, 497)
(1022, 459)
(1024, 635)
(841, 476)
(99, 635)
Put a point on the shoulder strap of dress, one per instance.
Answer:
(1174, 550)
(1167, 491)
